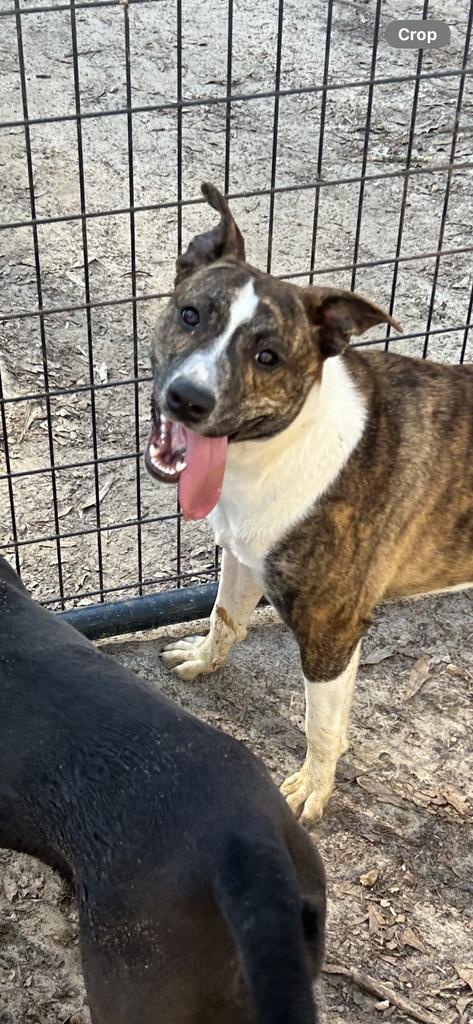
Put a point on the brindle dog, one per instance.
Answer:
(334, 478)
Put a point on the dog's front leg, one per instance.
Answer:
(327, 711)
(237, 597)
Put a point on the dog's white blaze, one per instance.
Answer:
(202, 366)
(270, 485)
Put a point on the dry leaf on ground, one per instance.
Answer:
(104, 488)
(465, 972)
(462, 1003)
(409, 938)
(418, 676)
(375, 919)
(376, 788)
(377, 655)
(454, 797)
(34, 411)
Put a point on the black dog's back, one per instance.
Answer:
(190, 871)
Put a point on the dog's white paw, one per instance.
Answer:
(190, 657)
(307, 793)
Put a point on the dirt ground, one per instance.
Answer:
(398, 816)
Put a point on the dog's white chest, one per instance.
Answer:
(272, 484)
(249, 518)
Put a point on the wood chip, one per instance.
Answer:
(10, 889)
(370, 878)
(101, 371)
(455, 670)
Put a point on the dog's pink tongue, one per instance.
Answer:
(200, 483)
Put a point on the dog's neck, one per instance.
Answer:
(317, 443)
(272, 484)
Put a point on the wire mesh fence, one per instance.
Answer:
(342, 157)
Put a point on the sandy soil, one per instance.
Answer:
(392, 812)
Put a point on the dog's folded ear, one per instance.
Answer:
(223, 241)
(338, 314)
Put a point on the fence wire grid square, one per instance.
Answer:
(346, 160)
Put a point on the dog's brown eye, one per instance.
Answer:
(189, 316)
(267, 357)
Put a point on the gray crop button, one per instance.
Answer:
(417, 35)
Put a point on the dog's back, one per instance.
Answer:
(190, 871)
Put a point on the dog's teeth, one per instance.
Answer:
(181, 465)
(159, 465)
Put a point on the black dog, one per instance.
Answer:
(201, 900)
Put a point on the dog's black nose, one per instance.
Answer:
(186, 400)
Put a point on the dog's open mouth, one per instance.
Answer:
(176, 455)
